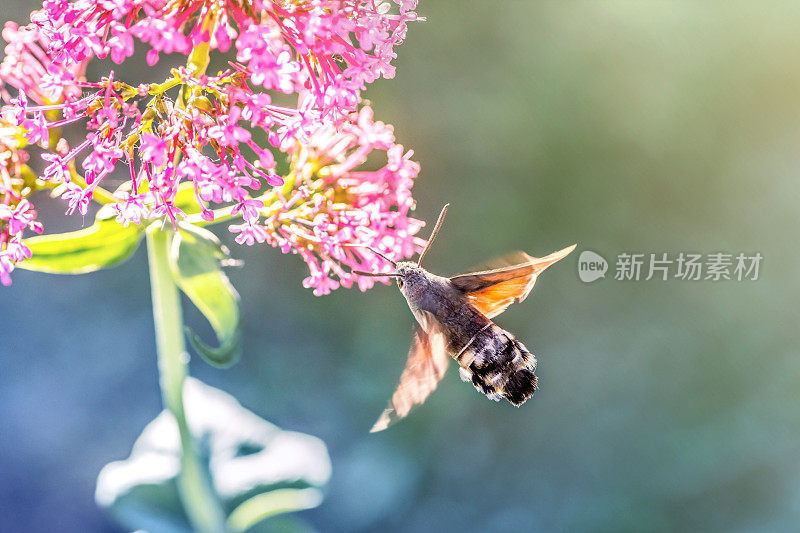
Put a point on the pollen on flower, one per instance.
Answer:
(221, 134)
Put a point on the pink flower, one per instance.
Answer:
(20, 107)
(77, 199)
(31, 66)
(132, 208)
(20, 217)
(249, 209)
(57, 170)
(6, 267)
(17, 250)
(37, 129)
(153, 149)
(249, 233)
(228, 133)
(55, 81)
(162, 34)
(121, 45)
(100, 161)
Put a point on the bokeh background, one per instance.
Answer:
(623, 126)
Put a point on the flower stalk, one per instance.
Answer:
(201, 504)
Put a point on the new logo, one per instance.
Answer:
(591, 266)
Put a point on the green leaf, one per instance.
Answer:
(185, 200)
(225, 355)
(195, 260)
(258, 470)
(268, 504)
(104, 244)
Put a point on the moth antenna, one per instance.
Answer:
(433, 234)
(376, 274)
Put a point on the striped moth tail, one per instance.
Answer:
(500, 366)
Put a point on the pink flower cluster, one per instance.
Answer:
(16, 212)
(223, 133)
(337, 209)
(287, 45)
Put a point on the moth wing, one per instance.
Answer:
(426, 365)
(509, 281)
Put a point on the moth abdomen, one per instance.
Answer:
(499, 366)
(520, 386)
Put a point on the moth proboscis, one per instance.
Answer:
(454, 320)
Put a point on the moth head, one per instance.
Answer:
(408, 274)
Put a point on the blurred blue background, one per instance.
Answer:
(664, 405)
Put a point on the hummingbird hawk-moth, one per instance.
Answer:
(454, 316)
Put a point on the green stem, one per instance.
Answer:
(225, 213)
(199, 500)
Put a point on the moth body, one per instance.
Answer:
(489, 357)
(454, 316)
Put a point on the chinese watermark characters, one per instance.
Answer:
(685, 266)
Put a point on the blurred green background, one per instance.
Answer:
(664, 405)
